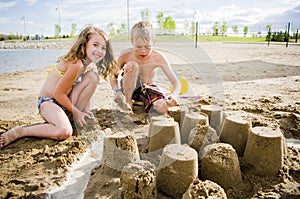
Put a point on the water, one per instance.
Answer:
(13, 60)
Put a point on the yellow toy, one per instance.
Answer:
(184, 86)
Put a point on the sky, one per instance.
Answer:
(32, 17)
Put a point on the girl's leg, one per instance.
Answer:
(83, 91)
(58, 126)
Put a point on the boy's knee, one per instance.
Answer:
(131, 67)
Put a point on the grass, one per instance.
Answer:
(181, 38)
(200, 38)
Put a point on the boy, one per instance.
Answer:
(138, 65)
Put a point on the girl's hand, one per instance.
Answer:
(91, 115)
(80, 118)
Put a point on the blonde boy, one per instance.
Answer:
(138, 66)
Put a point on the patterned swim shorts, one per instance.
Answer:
(43, 99)
(147, 93)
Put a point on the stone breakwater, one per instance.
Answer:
(59, 44)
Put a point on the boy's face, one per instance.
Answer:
(143, 48)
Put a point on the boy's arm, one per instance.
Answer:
(114, 78)
(168, 71)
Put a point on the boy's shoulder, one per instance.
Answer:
(127, 51)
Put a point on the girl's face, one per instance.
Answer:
(96, 48)
(143, 48)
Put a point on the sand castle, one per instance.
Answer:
(186, 153)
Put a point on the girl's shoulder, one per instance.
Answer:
(73, 65)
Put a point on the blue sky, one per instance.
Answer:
(40, 16)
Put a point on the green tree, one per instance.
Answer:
(246, 29)
(169, 23)
(215, 29)
(268, 27)
(145, 14)
(111, 29)
(235, 29)
(73, 30)
(224, 28)
(160, 19)
(122, 28)
(57, 31)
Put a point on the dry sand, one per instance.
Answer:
(260, 81)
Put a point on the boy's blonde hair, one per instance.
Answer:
(78, 51)
(142, 30)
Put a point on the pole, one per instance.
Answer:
(23, 18)
(58, 10)
(297, 36)
(269, 35)
(196, 34)
(287, 36)
(128, 18)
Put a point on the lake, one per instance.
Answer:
(13, 60)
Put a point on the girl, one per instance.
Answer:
(69, 88)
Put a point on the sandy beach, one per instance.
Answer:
(260, 81)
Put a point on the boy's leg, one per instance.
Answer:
(131, 72)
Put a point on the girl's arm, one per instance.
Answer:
(65, 84)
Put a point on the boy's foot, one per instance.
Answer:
(10, 136)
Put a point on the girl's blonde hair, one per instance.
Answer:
(142, 30)
(78, 51)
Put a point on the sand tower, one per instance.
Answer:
(265, 150)
(215, 115)
(220, 164)
(138, 180)
(118, 150)
(235, 131)
(177, 169)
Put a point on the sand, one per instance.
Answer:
(259, 81)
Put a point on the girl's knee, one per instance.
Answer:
(92, 77)
(64, 133)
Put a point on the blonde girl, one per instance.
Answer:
(69, 88)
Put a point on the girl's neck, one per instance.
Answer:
(86, 62)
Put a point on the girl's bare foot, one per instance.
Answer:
(10, 136)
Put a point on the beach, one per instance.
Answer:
(257, 80)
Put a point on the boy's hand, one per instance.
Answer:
(162, 105)
(171, 100)
(118, 97)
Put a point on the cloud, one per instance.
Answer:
(5, 5)
(31, 2)
(4, 20)
(280, 20)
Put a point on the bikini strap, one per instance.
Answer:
(60, 73)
